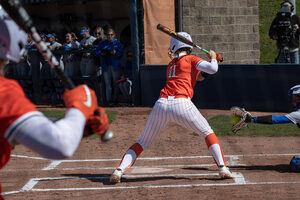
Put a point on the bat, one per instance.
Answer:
(184, 40)
(18, 13)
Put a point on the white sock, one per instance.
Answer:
(215, 150)
(127, 160)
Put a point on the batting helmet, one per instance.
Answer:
(12, 38)
(176, 44)
(295, 90)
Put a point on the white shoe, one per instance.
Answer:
(116, 176)
(225, 173)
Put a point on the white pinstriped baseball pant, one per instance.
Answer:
(179, 110)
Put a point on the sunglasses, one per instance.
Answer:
(98, 33)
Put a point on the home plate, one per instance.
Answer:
(147, 170)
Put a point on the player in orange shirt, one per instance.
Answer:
(175, 105)
(22, 123)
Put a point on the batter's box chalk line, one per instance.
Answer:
(30, 185)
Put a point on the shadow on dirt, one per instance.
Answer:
(282, 168)
(104, 178)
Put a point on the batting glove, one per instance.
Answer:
(83, 98)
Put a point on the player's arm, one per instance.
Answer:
(271, 119)
(60, 139)
(56, 140)
(208, 67)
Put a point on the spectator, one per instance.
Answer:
(71, 61)
(285, 30)
(125, 84)
(55, 86)
(111, 52)
(54, 45)
(23, 68)
(44, 39)
(87, 64)
(99, 35)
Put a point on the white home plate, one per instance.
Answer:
(147, 170)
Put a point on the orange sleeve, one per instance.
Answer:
(194, 61)
(13, 103)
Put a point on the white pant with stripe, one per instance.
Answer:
(179, 110)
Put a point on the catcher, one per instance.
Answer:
(22, 123)
(241, 118)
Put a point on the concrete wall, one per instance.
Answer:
(230, 27)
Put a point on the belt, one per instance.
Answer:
(175, 97)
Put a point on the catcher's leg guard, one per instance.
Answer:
(215, 149)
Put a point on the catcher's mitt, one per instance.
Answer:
(240, 118)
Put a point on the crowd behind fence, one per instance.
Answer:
(41, 85)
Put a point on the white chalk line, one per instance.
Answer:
(133, 167)
(233, 160)
(52, 165)
(29, 186)
(238, 181)
(159, 158)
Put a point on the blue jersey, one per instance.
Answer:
(109, 59)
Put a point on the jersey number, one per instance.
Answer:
(172, 71)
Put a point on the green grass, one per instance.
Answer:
(221, 125)
(267, 12)
(61, 113)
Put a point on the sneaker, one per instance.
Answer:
(225, 173)
(116, 176)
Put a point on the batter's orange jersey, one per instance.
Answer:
(181, 76)
(13, 104)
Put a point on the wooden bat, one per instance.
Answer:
(184, 40)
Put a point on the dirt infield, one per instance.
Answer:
(177, 166)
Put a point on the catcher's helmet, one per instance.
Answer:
(295, 164)
(12, 38)
(295, 90)
(176, 44)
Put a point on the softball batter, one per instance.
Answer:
(175, 105)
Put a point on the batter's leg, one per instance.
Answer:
(155, 124)
(186, 114)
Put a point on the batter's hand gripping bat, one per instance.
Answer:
(184, 40)
(18, 13)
